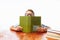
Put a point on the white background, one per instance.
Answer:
(49, 10)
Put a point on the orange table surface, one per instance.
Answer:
(11, 35)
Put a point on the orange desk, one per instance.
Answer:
(11, 35)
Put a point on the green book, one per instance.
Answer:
(28, 22)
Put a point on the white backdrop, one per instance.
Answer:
(49, 10)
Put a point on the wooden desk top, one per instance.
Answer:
(11, 35)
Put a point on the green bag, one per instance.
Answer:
(28, 22)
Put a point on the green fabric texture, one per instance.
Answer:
(27, 22)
